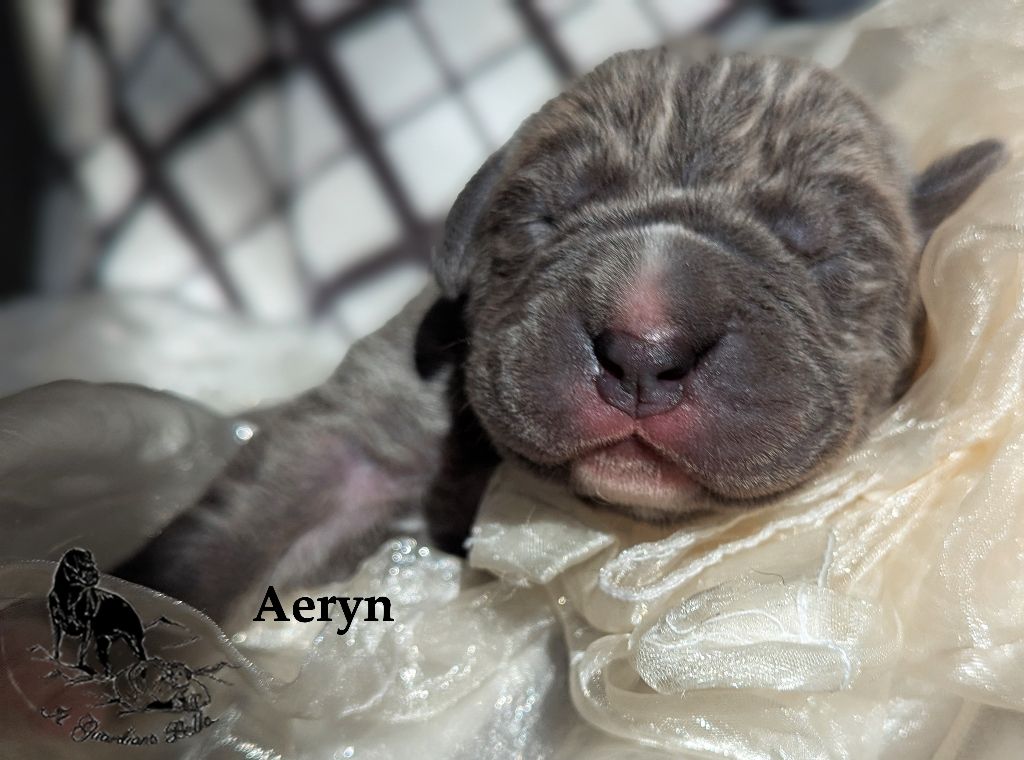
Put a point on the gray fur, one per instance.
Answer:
(319, 484)
(776, 218)
(785, 216)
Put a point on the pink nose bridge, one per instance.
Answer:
(644, 359)
(643, 310)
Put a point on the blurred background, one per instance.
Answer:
(280, 162)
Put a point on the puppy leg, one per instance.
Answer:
(318, 485)
(468, 461)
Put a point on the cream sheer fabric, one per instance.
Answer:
(877, 613)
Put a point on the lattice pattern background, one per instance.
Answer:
(293, 160)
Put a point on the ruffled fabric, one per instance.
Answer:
(878, 612)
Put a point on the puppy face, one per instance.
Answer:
(689, 286)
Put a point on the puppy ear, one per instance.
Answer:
(441, 337)
(452, 260)
(941, 188)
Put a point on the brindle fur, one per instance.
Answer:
(777, 211)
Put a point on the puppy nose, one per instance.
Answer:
(642, 376)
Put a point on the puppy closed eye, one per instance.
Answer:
(561, 197)
(542, 221)
(799, 235)
(809, 239)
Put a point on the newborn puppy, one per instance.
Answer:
(678, 288)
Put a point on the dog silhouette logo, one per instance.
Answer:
(144, 680)
(79, 608)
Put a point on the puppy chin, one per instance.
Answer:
(631, 478)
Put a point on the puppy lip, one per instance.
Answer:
(630, 473)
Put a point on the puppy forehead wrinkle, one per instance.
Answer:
(733, 117)
(667, 115)
(797, 83)
(722, 74)
(769, 74)
(661, 241)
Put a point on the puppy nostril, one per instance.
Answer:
(611, 368)
(686, 364)
(642, 376)
(674, 373)
(601, 350)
